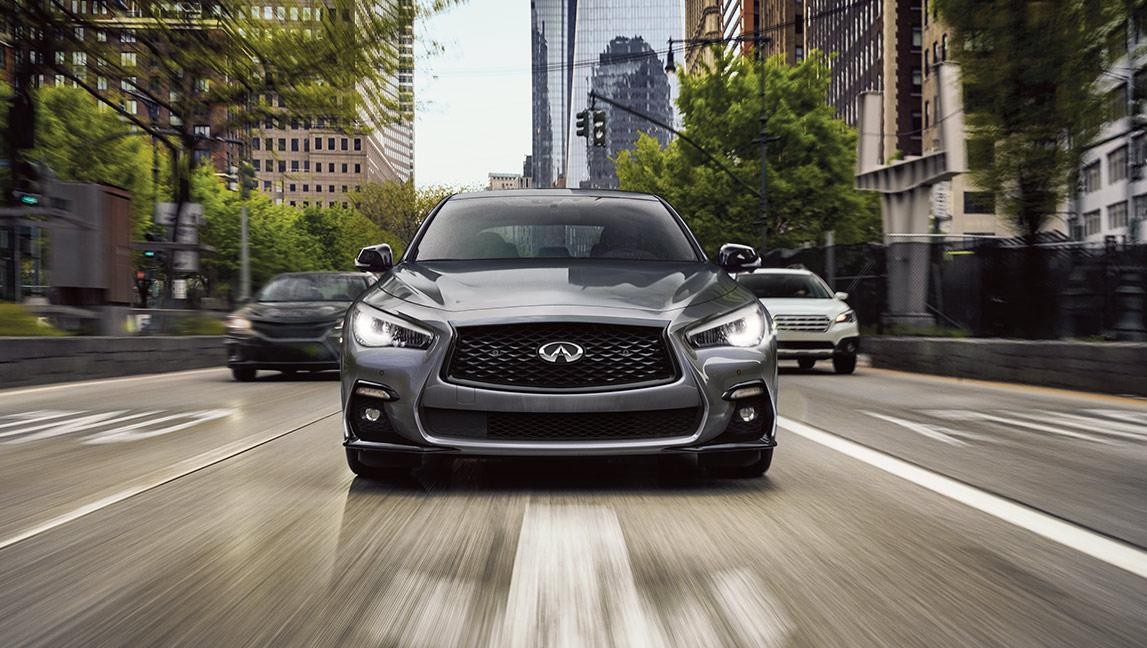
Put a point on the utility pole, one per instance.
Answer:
(246, 181)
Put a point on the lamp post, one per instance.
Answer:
(759, 41)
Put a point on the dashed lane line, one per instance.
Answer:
(147, 483)
(1113, 552)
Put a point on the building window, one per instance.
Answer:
(270, 144)
(255, 143)
(1117, 215)
(318, 143)
(292, 186)
(267, 13)
(101, 83)
(917, 37)
(330, 188)
(292, 203)
(318, 188)
(266, 185)
(344, 188)
(330, 143)
(306, 189)
(101, 36)
(306, 165)
(917, 78)
(202, 131)
(294, 166)
(979, 202)
(330, 167)
(1140, 207)
(295, 144)
(258, 164)
(282, 166)
(358, 168)
(358, 143)
(1091, 180)
(127, 36)
(1117, 165)
(345, 143)
(1117, 103)
(294, 13)
(1091, 223)
(127, 59)
(282, 144)
(944, 47)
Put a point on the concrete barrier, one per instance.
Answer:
(38, 361)
(1107, 367)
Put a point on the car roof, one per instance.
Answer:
(553, 193)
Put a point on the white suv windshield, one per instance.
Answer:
(785, 286)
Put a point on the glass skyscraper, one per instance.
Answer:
(614, 47)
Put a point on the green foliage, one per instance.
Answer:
(281, 239)
(1030, 71)
(400, 207)
(811, 159)
(16, 321)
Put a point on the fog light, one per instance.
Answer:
(747, 414)
(372, 414)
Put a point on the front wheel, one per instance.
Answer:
(243, 374)
(844, 364)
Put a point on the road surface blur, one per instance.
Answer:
(901, 510)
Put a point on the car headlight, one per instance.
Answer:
(238, 325)
(846, 316)
(374, 328)
(744, 327)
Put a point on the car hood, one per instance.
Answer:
(804, 306)
(459, 286)
(294, 311)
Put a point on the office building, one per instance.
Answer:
(702, 22)
(552, 26)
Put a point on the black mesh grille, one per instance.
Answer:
(613, 355)
(532, 426)
(298, 331)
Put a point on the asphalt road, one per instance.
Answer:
(901, 510)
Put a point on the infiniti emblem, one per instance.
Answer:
(560, 352)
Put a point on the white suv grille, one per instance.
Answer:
(803, 323)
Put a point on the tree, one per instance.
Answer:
(400, 207)
(218, 63)
(1032, 102)
(811, 159)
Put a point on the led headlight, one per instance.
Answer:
(744, 327)
(238, 325)
(846, 316)
(374, 328)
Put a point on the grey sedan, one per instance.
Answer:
(558, 322)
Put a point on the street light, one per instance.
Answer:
(759, 42)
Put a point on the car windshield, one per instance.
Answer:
(312, 287)
(787, 286)
(535, 227)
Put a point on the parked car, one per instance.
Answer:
(812, 322)
(294, 323)
(557, 322)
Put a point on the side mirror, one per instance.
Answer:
(737, 258)
(376, 258)
(842, 296)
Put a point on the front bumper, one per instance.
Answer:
(417, 390)
(258, 352)
(839, 339)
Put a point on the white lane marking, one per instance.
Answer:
(1097, 426)
(1112, 552)
(962, 415)
(572, 583)
(70, 426)
(1124, 415)
(149, 482)
(419, 610)
(27, 418)
(931, 431)
(757, 619)
(133, 433)
(4, 393)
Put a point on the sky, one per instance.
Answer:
(472, 93)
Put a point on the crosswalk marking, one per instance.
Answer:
(115, 426)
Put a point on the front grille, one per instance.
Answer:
(614, 355)
(533, 426)
(309, 331)
(803, 323)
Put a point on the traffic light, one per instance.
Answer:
(582, 123)
(599, 128)
(150, 254)
(247, 180)
(28, 188)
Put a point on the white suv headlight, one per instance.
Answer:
(374, 328)
(846, 316)
(744, 327)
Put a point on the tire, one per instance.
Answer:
(243, 374)
(748, 471)
(807, 363)
(844, 364)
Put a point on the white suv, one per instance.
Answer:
(812, 323)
